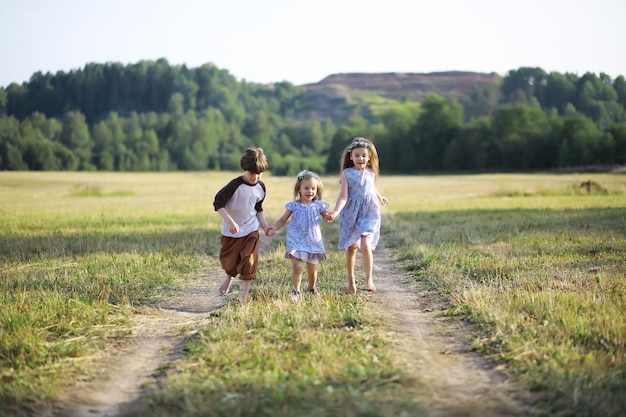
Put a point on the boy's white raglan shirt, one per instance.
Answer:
(242, 201)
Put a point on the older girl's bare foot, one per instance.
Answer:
(225, 287)
(351, 289)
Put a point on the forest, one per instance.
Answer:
(153, 116)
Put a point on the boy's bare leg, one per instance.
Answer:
(245, 289)
(225, 286)
(311, 271)
(350, 260)
(368, 263)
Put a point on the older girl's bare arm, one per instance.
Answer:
(341, 199)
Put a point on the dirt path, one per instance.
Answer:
(156, 340)
(455, 381)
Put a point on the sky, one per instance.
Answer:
(300, 41)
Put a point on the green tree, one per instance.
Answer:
(307, 137)
(620, 89)
(102, 154)
(184, 84)
(176, 105)
(466, 151)
(137, 156)
(618, 134)
(400, 119)
(37, 151)
(483, 102)
(75, 136)
(580, 143)
(313, 137)
(560, 91)
(513, 128)
(50, 128)
(520, 85)
(3, 102)
(259, 130)
(542, 148)
(437, 125)
(118, 140)
(399, 122)
(17, 103)
(10, 137)
(595, 98)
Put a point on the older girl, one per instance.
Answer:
(359, 223)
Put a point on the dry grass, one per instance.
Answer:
(536, 263)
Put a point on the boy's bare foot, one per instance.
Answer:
(225, 287)
(245, 289)
(370, 287)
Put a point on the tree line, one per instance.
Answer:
(153, 116)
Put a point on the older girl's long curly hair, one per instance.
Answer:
(360, 142)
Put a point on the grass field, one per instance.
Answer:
(533, 259)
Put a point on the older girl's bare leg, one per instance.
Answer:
(368, 263)
(350, 260)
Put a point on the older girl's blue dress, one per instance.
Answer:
(361, 214)
(304, 235)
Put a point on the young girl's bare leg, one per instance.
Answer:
(350, 260)
(225, 286)
(296, 277)
(311, 271)
(368, 263)
(296, 273)
(245, 289)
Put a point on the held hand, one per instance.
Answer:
(270, 231)
(329, 216)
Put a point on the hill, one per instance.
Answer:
(339, 95)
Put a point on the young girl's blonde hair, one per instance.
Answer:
(360, 142)
(305, 175)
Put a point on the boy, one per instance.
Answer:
(240, 204)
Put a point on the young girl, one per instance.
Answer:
(359, 224)
(304, 235)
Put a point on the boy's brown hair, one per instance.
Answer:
(253, 160)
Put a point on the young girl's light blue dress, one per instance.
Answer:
(304, 234)
(361, 214)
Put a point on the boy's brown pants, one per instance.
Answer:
(240, 255)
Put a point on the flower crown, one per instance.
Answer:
(305, 173)
(359, 143)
